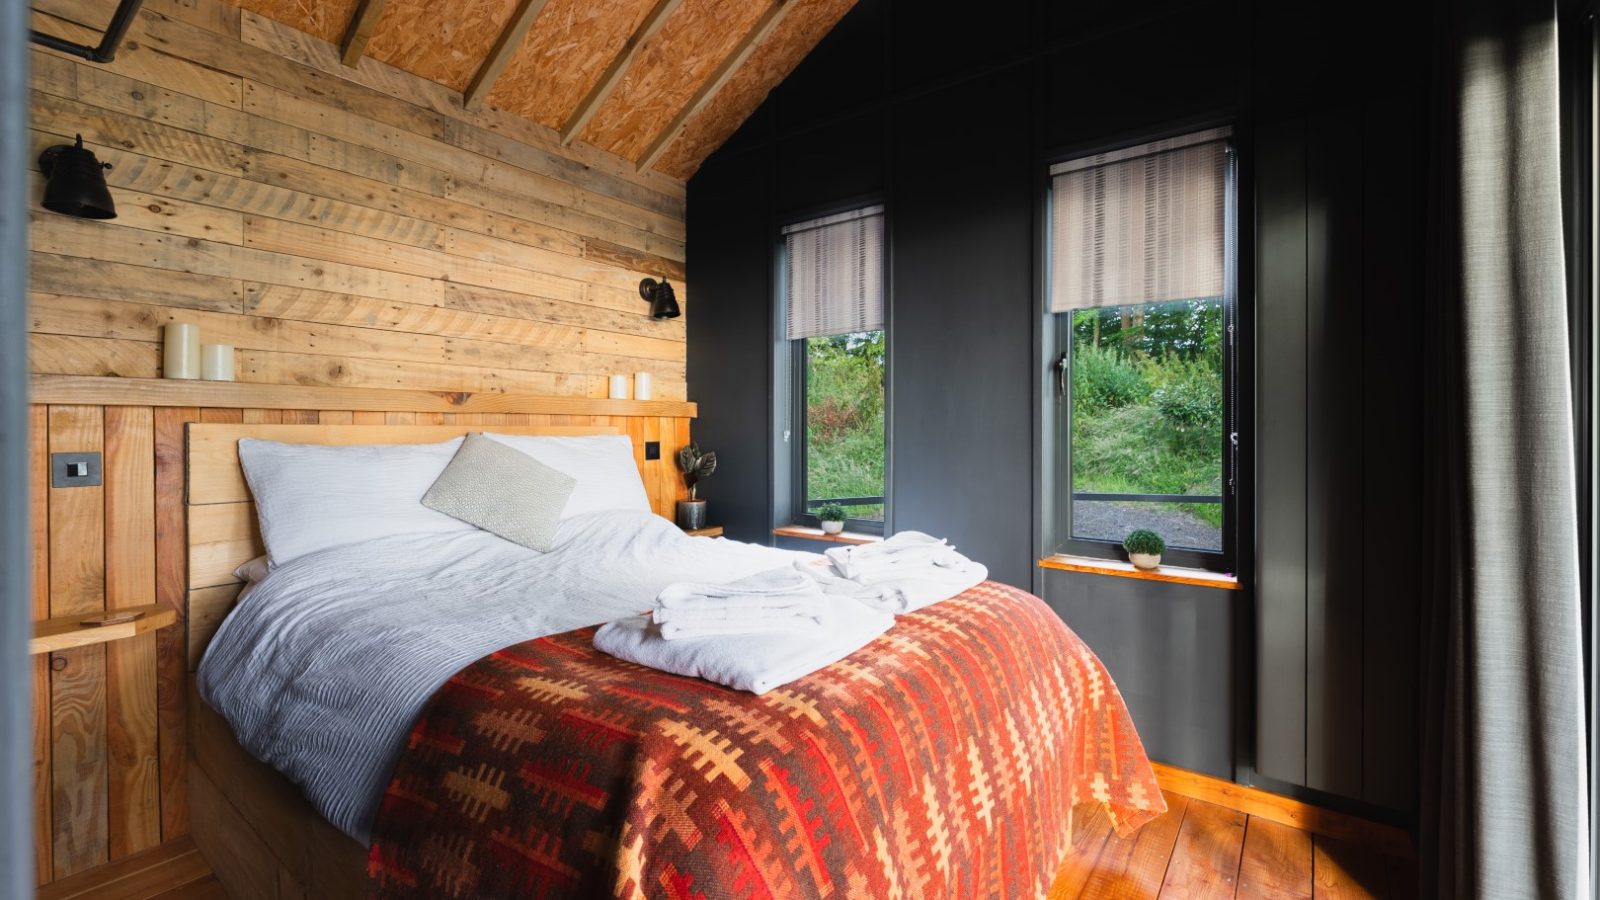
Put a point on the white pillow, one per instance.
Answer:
(310, 497)
(607, 476)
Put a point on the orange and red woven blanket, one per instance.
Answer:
(940, 761)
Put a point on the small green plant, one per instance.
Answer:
(1143, 540)
(832, 512)
(696, 466)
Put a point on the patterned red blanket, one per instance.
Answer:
(940, 761)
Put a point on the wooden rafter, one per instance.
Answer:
(359, 33)
(758, 32)
(619, 64)
(499, 57)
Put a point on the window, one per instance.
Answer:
(833, 272)
(1141, 285)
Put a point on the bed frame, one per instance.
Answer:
(258, 832)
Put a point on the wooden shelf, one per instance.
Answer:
(815, 534)
(708, 531)
(66, 632)
(99, 391)
(1173, 574)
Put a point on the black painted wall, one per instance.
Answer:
(1302, 682)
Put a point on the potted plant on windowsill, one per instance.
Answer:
(1144, 549)
(831, 518)
(696, 466)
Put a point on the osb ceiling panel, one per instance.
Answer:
(572, 43)
(670, 67)
(325, 19)
(420, 37)
(565, 53)
(800, 32)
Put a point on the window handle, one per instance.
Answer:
(1061, 374)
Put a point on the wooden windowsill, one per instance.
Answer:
(1174, 574)
(815, 534)
(66, 632)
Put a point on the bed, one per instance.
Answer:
(439, 724)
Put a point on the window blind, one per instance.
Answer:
(835, 274)
(1144, 224)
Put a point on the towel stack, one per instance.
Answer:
(779, 600)
(899, 575)
(753, 635)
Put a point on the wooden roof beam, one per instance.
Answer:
(619, 65)
(359, 32)
(505, 47)
(758, 32)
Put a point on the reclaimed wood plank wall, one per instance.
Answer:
(341, 228)
(110, 747)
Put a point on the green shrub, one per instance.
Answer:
(1104, 379)
(832, 512)
(1143, 540)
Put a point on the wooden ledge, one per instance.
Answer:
(815, 534)
(1387, 839)
(66, 632)
(98, 391)
(1174, 574)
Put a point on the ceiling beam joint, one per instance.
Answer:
(359, 32)
(620, 63)
(505, 47)
(758, 32)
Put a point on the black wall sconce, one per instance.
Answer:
(663, 300)
(77, 182)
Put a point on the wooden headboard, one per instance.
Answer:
(222, 526)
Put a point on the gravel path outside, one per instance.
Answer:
(1111, 521)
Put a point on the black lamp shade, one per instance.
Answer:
(76, 184)
(663, 299)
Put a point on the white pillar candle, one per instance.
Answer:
(216, 362)
(641, 386)
(619, 387)
(180, 351)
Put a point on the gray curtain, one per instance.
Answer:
(1504, 809)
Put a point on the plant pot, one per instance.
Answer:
(831, 527)
(691, 514)
(1145, 561)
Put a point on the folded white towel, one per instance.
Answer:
(900, 592)
(773, 587)
(809, 607)
(882, 558)
(679, 631)
(757, 662)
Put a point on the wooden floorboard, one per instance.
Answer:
(1195, 850)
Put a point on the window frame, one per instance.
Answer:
(792, 424)
(1058, 329)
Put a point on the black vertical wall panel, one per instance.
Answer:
(1335, 328)
(1169, 648)
(1281, 451)
(962, 324)
(732, 211)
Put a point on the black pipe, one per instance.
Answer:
(107, 51)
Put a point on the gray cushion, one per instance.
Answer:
(503, 491)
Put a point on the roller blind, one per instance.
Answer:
(834, 271)
(1144, 224)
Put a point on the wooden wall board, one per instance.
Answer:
(553, 70)
(170, 537)
(39, 502)
(800, 31)
(668, 70)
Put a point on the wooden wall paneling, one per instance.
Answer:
(39, 500)
(1334, 562)
(172, 586)
(1281, 467)
(142, 63)
(78, 684)
(135, 788)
